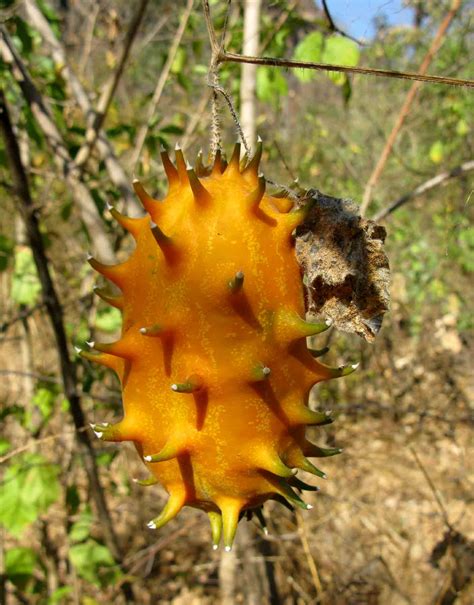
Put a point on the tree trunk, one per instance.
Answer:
(247, 85)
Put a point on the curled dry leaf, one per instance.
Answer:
(347, 273)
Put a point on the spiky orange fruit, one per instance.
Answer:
(213, 360)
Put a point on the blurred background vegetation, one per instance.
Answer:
(392, 523)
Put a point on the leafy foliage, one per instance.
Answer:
(29, 487)
(94, 563)
(26, 287)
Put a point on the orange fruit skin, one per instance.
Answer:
(214, 368)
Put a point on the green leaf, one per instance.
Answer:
(109, 319)
(80, 530)
(50, 14)
(271, 84)
(436, 152)
(26, 287)
(44, 399)
(340, 51)
(32, 128)
(23, 33)
(86, 600)
(28, 488)
(58, 596)
(309, 49)
(466, 249)
(172, 129)
(6, 251)
(179, 61)
(4, 445)
(462, 128)
(94, 563)
(20, 564)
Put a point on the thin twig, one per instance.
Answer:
(226, 21)
(23, 314)
(97, 119)
(215, 48)
(42, 377)
(436, 181)
(283, 159)
(55, 312)
(433, 489)
(134, 561)
(309, 557)
(88, 38)
(36, 442)
(333, 27)
(235, 117)
(160, 85)
(226, 57)
(405, 110)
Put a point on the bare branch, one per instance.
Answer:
(160, 85)
(22, 315)
(436, 181)
(55, 312)
(96, 122)
(303, 534)
(226, 22)
(370, 71)
(66, 166)
(215, 47)
(433, 489)
(33, 443)
(333, 27)
(116, 172)
(405, 110)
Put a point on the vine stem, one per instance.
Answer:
(217, 52)
(213, 80)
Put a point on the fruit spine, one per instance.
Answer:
(212, 360)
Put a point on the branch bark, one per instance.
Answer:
(66, 166)
(405, 110)
(160, 85)
(55, 312)
(115, 170)
(249, 71)
(436, 181)
(334, 28)
(226, 57)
